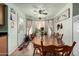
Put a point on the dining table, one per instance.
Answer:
(47, 41)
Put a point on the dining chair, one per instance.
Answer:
(36, 47)
(56, 35)
(40, 48)
(61, 36)
(64, 50)
(59, 39)
(53, 34)
(32, 36)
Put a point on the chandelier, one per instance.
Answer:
(41, 12)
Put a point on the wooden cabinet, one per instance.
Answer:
(3, 44)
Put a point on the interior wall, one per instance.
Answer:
(76, 28)
(76, 35)
(13, 32)
(21, 30)
(67, 26)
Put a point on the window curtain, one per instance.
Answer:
(51, 25)
(33, 25)
(28, 25)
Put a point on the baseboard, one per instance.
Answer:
(9, 53)
(20, 44)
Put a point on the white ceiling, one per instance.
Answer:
(51, 8)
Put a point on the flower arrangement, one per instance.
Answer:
(42, 31)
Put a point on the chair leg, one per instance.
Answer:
(34, 51)
(40, 51)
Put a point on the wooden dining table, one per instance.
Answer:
(47, 41)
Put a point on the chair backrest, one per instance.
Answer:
(61, 36)
(42, 48)
(60, 50)
(57, 34)
(53, 34)
(42, 45)
(64, 50)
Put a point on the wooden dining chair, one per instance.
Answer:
(61, 36)
(36, 47)
(59, 50)
(53, 34)
(59, 39)
(40, 48)
(32, 36)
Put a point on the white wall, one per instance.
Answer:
(76, 34)
(67, 26)
(21, 30)
(13, 32)
(67, 31)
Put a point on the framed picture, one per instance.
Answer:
(12, 14)
(64, 15)
(2, 14)
(13, 17)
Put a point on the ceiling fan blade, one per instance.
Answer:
(35, 11)
(45, 13)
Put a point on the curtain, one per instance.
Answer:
(28, 25)
(33, 25)
(51, 25)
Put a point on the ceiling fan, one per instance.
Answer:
(41, 11)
